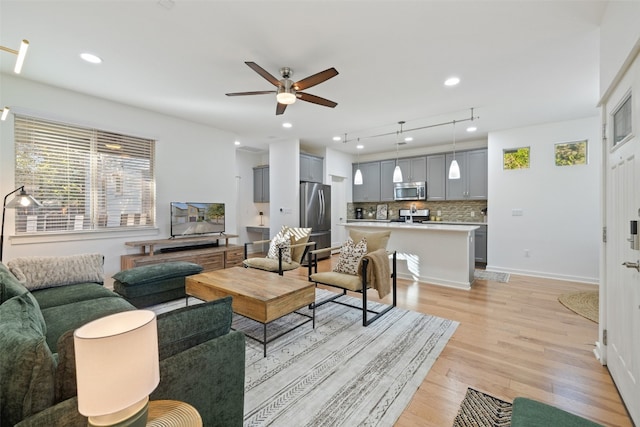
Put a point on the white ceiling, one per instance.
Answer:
(520, 62)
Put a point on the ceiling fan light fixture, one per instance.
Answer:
(286, 98)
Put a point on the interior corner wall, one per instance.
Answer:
(284, 185)
(558, 233)
(193, 163)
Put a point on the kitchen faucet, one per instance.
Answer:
(412, 211)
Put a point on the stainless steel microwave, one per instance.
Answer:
(410, 191)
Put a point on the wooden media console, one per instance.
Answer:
(207, 251)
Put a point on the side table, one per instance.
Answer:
(172, 413)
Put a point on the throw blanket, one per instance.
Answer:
(378, 272)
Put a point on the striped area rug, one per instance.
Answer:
(340, 373)
(482, 410)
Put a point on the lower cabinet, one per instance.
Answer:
(481, 244)
(209, 258)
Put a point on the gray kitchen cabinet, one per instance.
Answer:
(414, 169)
(481, 244)
(261, 184)
(386, 180)
(311, 168)
(436, 173)
(369, 191)
(472, 184)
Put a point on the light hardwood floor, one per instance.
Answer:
(514, 339)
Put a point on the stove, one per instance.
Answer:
(418, 215)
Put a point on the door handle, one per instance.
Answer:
(635, 265)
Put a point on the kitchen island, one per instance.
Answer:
(440, 254)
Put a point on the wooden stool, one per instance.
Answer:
(172, 413)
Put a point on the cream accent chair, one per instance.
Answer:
(299, 238)
(371, 268)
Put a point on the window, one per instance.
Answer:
(622, 122)
(85, 179)
(516, 158)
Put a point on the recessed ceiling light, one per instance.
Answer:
(452, 81)
(287, 125)
(337, 138)
(408, 139)
(359, 146)
(236, 142)
(472, 129)
(90, 57)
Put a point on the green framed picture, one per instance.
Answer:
(516, 158)
(571, 153)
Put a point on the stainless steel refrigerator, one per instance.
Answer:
(315, 213)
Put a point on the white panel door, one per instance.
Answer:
(622, 280)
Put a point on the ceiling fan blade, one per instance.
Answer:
(315, 79)
(259, 92)
(316, 99)
(264, 73)
(280, 109)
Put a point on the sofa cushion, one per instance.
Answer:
(189, 326)
(46, 272)
(63, 318)
(27, 366)
(53, 297)
(156, 272)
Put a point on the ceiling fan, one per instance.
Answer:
(287, 90)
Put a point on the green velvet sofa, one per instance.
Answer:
(201, 360)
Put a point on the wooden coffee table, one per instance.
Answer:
(259, 295)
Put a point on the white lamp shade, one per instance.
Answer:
(116, 362)
(454, 170)
(397, 174)
(357, 178)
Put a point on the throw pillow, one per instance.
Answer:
(47, 272)
(350, 256)
(280, 241)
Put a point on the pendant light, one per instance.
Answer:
(397, 172)
(454, 169)
(357, 177)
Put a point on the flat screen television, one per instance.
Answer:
(194, 219)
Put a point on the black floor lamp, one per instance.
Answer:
(23, 199)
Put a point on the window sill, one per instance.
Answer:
(70, 236)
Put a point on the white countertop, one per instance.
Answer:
(440, 225)
(387, 221)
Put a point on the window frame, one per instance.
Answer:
(39, 146)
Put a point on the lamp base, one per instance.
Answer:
(139, 419)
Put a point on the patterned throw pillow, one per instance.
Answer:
(278, 241)
(350, 256)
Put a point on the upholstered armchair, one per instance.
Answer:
(363, 264)
(286, 250)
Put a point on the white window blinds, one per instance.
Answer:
(85, 179)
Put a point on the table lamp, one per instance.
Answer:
(117, 368)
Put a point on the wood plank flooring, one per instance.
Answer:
(514, 339)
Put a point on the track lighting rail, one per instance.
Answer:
(470, 118)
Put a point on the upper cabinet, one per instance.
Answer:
(473, 176)
(436, 170)
(369, 191)
(386, 180)
(413, 169)
(311, 168)
(261, 184)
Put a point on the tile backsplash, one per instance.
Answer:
(453, 210)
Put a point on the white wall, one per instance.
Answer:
(619, 32)
(193, 163)
(560, 225)
(284, 184)
(248, 211)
